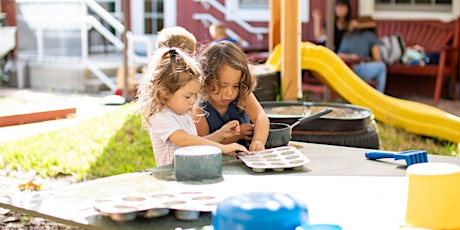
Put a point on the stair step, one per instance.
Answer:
(95, 85)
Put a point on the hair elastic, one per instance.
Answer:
(172, 51)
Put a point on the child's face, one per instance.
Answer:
(182, 101)
(229, 87)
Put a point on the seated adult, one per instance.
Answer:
(360, 49)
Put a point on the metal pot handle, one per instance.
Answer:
(311, 117)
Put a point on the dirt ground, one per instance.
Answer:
(18, 101)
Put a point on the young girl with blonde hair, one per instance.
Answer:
(166, 96)
(227, 97)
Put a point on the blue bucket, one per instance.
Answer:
(260, 210)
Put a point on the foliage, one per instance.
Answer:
(110, 144)
(115, 143)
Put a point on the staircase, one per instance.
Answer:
(58, 57)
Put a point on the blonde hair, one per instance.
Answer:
(214, 57)
(169, 70)
(177, 36)
(218, 30)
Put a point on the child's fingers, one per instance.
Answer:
(256, 146)
(247, 127)
(241, 148)
(248, 134)
(234, 124)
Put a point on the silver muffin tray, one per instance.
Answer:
(276, 159)
(186, 205)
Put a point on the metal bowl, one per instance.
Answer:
(345, 117)
(120, 212)
(155, 212)
(187, 214)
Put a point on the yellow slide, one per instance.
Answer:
(412, 116)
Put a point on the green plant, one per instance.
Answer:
(115, 143)
(110, 144)
(395, 139)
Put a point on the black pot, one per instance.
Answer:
(280, 133)
(360, 120)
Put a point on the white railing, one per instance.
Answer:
(40, 20)
(106, 16)
(101, 75)
(208, 18)
(107, 34)
(91, 22)
(133, 58)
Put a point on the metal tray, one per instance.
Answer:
(276, 159)
(186, 205)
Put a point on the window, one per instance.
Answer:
(254, 4)
(258, 10)
(414, 5)
(154, 15)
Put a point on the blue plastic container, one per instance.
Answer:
(262, 210)
(319, 227)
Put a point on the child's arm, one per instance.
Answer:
(201, 124)
(229, 133)
(182, 139)
(261, 123)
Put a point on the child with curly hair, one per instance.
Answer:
(228, 98)
(166, 96)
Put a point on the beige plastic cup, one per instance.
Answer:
(433, 196)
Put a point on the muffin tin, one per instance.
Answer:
(276, 159)
(186, 205)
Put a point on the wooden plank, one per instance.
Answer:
(32, 117)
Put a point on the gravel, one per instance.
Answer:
(23, 101)
(9, 186)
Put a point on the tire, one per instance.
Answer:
(368, 139)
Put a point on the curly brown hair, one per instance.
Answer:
(214, 57)
(169, 70)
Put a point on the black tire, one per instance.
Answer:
(368, 139)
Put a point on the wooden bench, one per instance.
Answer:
(435, 37)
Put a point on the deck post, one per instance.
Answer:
(274, 24)
(290, 50)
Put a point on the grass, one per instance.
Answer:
(107, 145)
(114, 143)
(395, 139)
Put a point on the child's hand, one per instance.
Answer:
(247, 131)
(231, 129)
(256, 146)
(232, 148)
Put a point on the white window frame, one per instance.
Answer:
(234, 12)
(413, 6)
(137, 19)
(367, 7)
